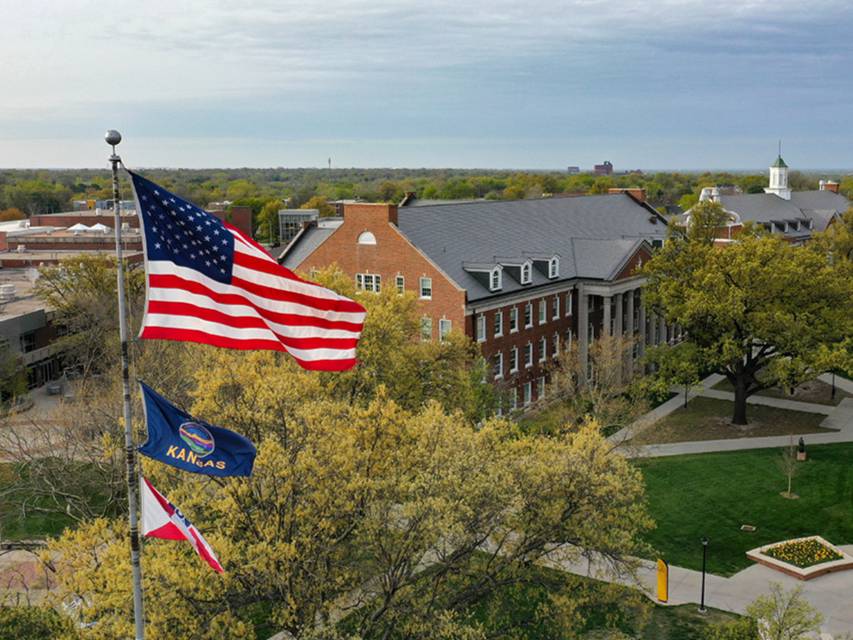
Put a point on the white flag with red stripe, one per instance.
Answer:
(208, 282)
(161, 519)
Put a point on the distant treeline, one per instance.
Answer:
(28, 192)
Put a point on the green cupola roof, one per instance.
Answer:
(779, 164)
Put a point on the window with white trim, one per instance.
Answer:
(368, 282)
(555, 348)
(569, 339)
(553, 267)
(540, 388)
(513, 398)
(481, 328)
(426, 329)
(444, 326)
(525, 273)
(555, 307)
(366, 237)
(543, 311)
(528, 393)
(543, 349)
(528, 355)
(499, 323)
(499, 365)
(569, 303)
(528, 315)
(495, 279)
(513, 360)
(426, 288)
(513, 319)
(400, 282)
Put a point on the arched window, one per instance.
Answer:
(366, 238)
(553, 267)
(495, 279)
(525, 273)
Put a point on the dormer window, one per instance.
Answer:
(495, 283)
(554, 267)
(526, 269)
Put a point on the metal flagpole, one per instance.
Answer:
(113, 137)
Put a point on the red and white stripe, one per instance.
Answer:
(161, 519)
(266, 306)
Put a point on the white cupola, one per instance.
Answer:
(779, 179)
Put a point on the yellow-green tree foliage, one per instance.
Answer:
(760, 311)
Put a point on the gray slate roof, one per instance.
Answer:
(309, 239)
(819, 206)
(593, 235)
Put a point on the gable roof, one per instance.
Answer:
(818, 206)
(593, 235)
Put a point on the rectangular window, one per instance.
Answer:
(513, 319)
(543, 349)
(513, 399)
(540, 388)
(555, 307)
(556, 346)
(499, 323)
(569, 339)
(444, 326)
(368, 282)
(401, 284)
(426, 329)
(528, 315)
(481, 328)
(499, 365)
(426, 287)
(513, 360)
(569, 303)
(528, 393)
(543, 311)
(528, 355)
(28, 341)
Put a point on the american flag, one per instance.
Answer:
(206, 281)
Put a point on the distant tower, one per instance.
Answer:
(779, 177)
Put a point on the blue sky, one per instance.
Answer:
(542, 84)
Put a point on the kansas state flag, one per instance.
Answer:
(178, 439)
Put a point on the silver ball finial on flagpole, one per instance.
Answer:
(112, 137)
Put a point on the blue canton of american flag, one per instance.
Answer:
(178, 231)
(208, 282)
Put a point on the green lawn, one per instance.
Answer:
(714, 494)
(815, 391)
(709, 419)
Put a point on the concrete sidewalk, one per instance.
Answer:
(829, 594)
(838, 417)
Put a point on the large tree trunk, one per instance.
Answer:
(739, 416)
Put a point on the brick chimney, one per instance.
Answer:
(368, 214)
(637, 193)
(829, 185)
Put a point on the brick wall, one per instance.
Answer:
(392, 255)
(504, 344)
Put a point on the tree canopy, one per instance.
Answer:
(760, 311)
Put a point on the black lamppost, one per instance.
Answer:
(702, 608)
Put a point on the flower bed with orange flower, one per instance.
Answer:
(803, 553)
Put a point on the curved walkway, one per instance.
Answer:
(838, 417)
(829, 594)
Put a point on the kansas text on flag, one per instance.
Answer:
(178, 439)
(208, 282)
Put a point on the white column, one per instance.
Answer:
(620, 308)
(643, 327)
(607, 302)
(583, 327)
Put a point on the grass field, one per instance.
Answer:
(714, 494)
(710, 419)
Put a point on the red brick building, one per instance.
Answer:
(522, 278)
